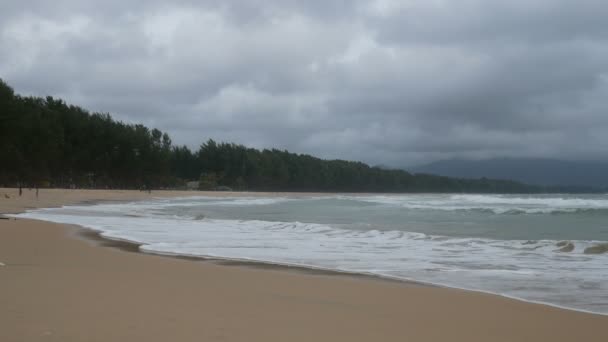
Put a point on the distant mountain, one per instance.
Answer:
(531, 171)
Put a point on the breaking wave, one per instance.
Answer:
(496, 204)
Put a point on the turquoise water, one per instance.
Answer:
(566, 217)
(505, 244)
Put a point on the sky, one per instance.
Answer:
(397, 83)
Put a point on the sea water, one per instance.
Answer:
(512, 245)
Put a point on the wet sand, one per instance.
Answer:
(57, 286)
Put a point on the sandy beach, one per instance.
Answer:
(56, 285)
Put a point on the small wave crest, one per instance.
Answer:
(599, 248)
(493, 204)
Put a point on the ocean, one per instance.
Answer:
(530, 247)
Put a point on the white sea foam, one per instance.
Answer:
(534, 270)
(498, 204)
(147, 208)
(232, 201)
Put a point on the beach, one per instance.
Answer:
(58, 285)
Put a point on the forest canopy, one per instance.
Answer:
(47, 142)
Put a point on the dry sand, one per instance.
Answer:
(55, 286)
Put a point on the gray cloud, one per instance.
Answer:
(385, 81)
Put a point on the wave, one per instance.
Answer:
(495, 204)
(511, 211)
(140, 207)
(569, 202)
(225, 201)
(599, 248)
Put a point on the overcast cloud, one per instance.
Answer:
(388, 82)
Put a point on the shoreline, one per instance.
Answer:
(253, 269)
(91, 234)
(96, 237)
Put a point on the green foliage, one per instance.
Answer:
(46, 141)
(208, 181)
(273, 170)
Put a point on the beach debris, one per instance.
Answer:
(597, 249)
(7, 196)
(566, 246)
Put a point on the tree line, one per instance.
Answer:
(49, 143)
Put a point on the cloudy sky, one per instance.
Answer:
(388, 82)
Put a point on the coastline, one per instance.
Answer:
(353, 307)
(98, 239)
